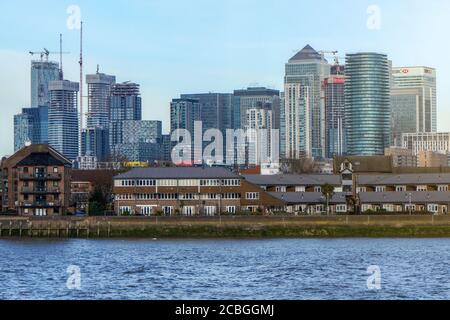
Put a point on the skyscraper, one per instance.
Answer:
(334, 87)
(183, 115)
(258, 97)
(304, 104)
(63, 117)
(42, 72)
(99, 99)
(126, 104)
(95, 143)
(141, 141)
(259, 125)
(422, 84)
(367, 104)
(31, 125)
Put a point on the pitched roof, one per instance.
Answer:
(40, 159)
(178, 173)
(41, 150)
(293, 180)
(308, 197)
(307, 53)
(403, 197)
(404, 179)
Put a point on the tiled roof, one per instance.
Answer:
(293, 180)
(308, 197)
(178, 173)
(404, 197)
(404, 179)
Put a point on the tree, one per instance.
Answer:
(328, 192)
(98, 201)
(299, 166)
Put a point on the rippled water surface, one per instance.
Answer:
(225, 269)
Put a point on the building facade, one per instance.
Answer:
(187, 191)
(36, 182)
(423, 80)
(95, 143)
(31, 126)
(42, 73)
(427, 141)
(126, 104)
(63, 133)
(334, 87)
(367, 104)
(304, 104)
(99, 87)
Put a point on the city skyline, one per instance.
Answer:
(246, 61)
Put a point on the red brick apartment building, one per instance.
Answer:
(188, 191)
(35, 181)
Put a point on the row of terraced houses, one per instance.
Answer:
(37, 180)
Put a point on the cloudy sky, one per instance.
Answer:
(176, 46)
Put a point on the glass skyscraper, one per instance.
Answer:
(63, 134)
(99, 99)
(126, 104)
(42, 72)
(31, 126)
(367, 104)
(304, 104)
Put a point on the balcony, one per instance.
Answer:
(39, 190)
(40, 176)
(40, 204)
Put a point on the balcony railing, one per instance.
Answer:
(38, 190)
(40, 204)
(40, 176)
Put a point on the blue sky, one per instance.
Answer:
(172, 47)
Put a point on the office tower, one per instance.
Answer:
(282, 127)
(31, 126)
(166, 148)
(259, 125)
(258, 97)
(99, 99)
(427, 141)
(334, 87)
(216, 110)
(406, 103)
(42, 72)
(126, 104)
(183, 115)
(304, 104)
(422, 79)
(95, 143)
(367, 104)
(141, 141)
(63, 118)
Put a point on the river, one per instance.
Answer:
(289, 269)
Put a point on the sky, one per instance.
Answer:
(172, 47)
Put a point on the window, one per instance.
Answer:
(280, 189)
(317, 189)
(319, 208)
(341, 208)
(433, 208)
(361, 189)
(231, 209)
(252, 195)
(300, 189)
(422, 188)
(55, 170)
(400, 188)
(188, 211)
(410, 208)
(210, 211)
(380, 189)
(443, 188)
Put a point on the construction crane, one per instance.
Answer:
(331, 53)
(45, 54)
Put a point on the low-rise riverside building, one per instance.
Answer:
(189, 192)
(434, 202)
(312, 203)
(35, 181)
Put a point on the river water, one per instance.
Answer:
(289, 269)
